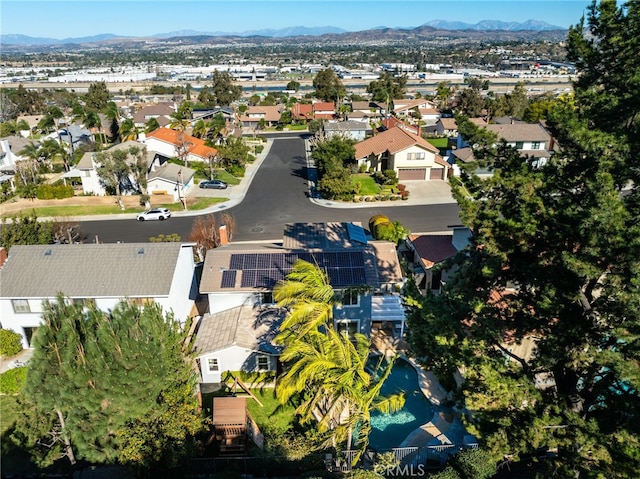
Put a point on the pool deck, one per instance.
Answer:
(433, 432)
(440, 422)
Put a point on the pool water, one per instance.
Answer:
(389, 430)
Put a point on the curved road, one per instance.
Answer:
(278, 195)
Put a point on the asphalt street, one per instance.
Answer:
(277, 193)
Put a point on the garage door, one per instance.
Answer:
(412, 174)
(436, 174)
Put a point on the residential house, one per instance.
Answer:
(531, 140)
(355, 130)
(365, 111)
(302, 112)
(100, 274)
(238, 331)
(161, 112)
(427, 252)
(10, 148)
(168, 143)
(446, 127)
(269, 115)
(162, 177)
(404, 107)
(75, 136)
(324, 110)
(410, 156)
(391, 122)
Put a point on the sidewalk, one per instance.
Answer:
(9, 363)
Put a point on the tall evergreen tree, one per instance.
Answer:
(117, 385)
(554, 258)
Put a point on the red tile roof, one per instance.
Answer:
(197, 146)
(393, 140)
(433, 249)
(302, 110)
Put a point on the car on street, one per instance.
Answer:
(154, 214)
(215, 184)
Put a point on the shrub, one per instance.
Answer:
(259, 148)
(390, 177)
(10, 343)
(447, 473)
(362, 168)
(375, 219)
(401, 187)
(50, 192)
(12, 380)
(404, 194)
(474, 463)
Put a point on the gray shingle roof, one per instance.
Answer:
(89, 270)
(244, 326)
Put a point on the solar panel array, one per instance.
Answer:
(264, 270)
(228, 279)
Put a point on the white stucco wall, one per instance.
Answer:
(223, 301)
(91, 183)
(233, 358)
(401, 158)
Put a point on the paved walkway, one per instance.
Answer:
(19, 359)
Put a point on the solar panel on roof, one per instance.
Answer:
(359, 276)
(236, 261)
(248, 278)
(228, 279)
(356, 233)
(250, 261)
(263, 261)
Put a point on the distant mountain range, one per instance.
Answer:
(483, 26)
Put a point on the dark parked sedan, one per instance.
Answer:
(215, 184)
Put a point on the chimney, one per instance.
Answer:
(223, 234)
(3, 256)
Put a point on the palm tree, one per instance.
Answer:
(309, 294)
(92, 120)
(178, 121)
(327, 371)
(328, 376)
(151, 125)
(128, 130)
(199, 129)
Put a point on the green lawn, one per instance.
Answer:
(271, 415)
(367, 185)
(440, 143)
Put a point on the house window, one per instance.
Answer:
(212, 365)
(416, 156)
(519, 145)
(350, 328)
(87, 173)
(262, 363)
(535, 145)
(350, 298)
(21, 305)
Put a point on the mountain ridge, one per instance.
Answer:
(288, 32)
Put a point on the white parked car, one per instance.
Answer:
(154, 214)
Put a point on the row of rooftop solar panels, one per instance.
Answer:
(283, 261)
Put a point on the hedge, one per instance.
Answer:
(10, 343)
(51, 192)
(12, 380)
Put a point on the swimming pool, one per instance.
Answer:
(389, 430)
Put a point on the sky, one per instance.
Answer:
(78, 18)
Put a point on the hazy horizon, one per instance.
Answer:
(139, 18)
